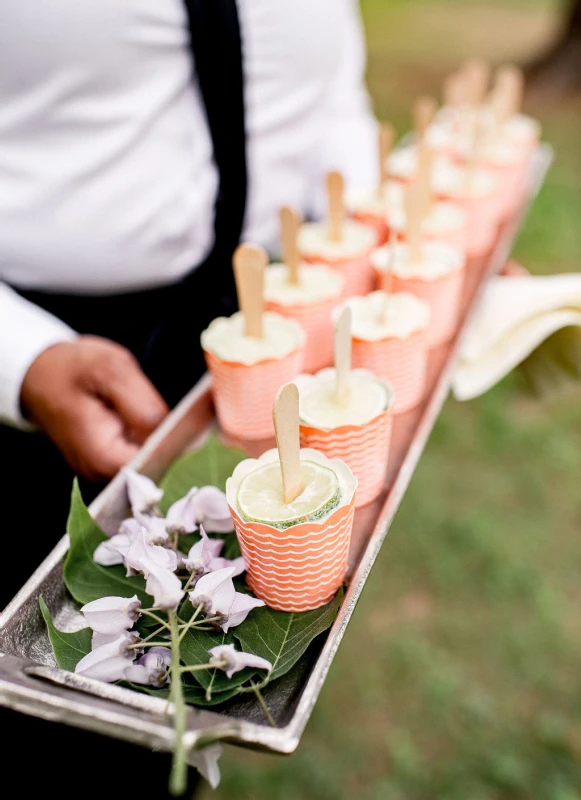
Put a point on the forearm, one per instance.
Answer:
(25, 331)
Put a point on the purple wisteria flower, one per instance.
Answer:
(212, 510)
(204, 557)
(151, 669)
(158, 565)
(143, 494)
(216, 594)
(112, 615)
(227, 658)
(109, 661)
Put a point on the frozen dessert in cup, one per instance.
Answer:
(388, 333)
(346, 414)
(357, 431)
(295, 546)
(251, 354)
(307, 293)
(310, 302)
(342, 244)
(437, 277)
(444, 222)
(475, 189)
(370, 206)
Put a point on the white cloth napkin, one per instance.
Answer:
(515, 316)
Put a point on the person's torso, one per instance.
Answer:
(106, 173)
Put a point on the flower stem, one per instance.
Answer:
(149, 613)
(189, 624)
(196, 668)
(179, 768)
(263, 705)
(143, 643)
(156, 632)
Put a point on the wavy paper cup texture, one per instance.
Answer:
(244, 393)
(302, 567)
(438, 280)
(316, 320)
(364, 448)
(511, 173)
(401, 362)
(350, 256)
(481, 202)
(376, 221)
(310, 302)
(452, 231)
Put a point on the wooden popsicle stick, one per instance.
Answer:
(414, 218)
(424, 178)
(453, 90)
(343, 355)
(424, 111)
(510, 82)
(336, 206)
(285, 415)
(477, 71)
(386, 141)
(387, 281)
(249, 262)
(289, 228)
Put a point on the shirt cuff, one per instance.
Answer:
(25, 332)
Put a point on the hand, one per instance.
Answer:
(92, 399)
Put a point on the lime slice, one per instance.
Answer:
(319, 407)
(260, 495)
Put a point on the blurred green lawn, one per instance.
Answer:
(459, 677)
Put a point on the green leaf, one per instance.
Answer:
(68, 648)
(194, 650)
(282, 637)
(85, 579)
(211, 465)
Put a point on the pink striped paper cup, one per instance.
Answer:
(401, 362)
(302, 567)
(439, 281)
(244, 393)
(364, 448)
(350, 257)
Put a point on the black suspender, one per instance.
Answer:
(217, 50)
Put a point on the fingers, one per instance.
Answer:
(95, 443)
(122, 383)
(92, 399)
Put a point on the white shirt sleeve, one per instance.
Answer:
(350, 138)
(25, 332)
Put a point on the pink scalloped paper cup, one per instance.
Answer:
(443, 293)
(302, 567)
(376, 221)
(357, 272)
(244, 393)
(454, 235)
(354, 266)
(401, 362)
(364, 448)
(317, 321)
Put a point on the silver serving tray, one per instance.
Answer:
(31, 683)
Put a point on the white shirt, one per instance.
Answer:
(107, 181)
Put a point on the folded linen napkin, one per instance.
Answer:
(536, 320)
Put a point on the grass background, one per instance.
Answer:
(459, 676)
